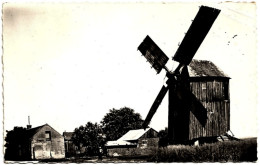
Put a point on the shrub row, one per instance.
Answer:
(229, 151)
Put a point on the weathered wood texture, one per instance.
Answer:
(214, 96)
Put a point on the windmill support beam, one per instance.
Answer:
(178, 118)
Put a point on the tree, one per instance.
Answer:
(163, 137)
(93, 138)
(16, 144)
(78, 137)
(117, 122)
(89, 137)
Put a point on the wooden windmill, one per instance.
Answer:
(183, 104)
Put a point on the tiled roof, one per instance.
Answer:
(203, 68)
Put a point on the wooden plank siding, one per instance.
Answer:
(213, 96)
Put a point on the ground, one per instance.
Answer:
(237, 151)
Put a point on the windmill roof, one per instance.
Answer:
(204, 68)
(133, 134)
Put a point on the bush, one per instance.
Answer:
(229, 151)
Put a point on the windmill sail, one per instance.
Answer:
(199, 111)
(196, 34)
(193, 104)
(181, 98)
(154, 55)
(155, 105)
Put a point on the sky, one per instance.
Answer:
(67, 64)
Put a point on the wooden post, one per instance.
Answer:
(178, 118)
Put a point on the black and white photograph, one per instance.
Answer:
(129, 82)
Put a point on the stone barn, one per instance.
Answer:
(46, 143)
(133, 143)
(37, 143)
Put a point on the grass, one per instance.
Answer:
(229, 151)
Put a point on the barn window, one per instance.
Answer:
(48, 135)
(144, 144)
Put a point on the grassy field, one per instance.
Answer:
(244, 150)
(230, 151)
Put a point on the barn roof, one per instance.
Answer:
(126, 139)
(133, 134)
(32, 131)
(129, 136)
(67, 135)
(204, 68)
(115, 143)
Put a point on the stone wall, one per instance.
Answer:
(44, 148)
(114, 152)
(146, 146)
(148, 142)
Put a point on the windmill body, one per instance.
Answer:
(209, 88)
(198, 90)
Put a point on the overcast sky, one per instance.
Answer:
(67, 64)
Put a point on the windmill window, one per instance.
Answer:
(48, 135)
(204, 87)
(226, 90)
(217, 92)
(204, 91)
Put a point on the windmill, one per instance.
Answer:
(181, 100)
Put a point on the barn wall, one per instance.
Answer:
(148, 142)
(214, 96)
(113, 152)
(43, 148)
(150, 134)
(146, 146)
